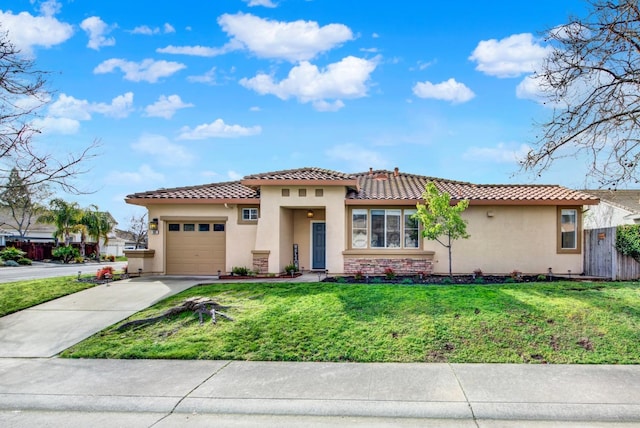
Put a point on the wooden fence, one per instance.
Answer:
(602, 259)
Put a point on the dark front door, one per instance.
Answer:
(318, 241)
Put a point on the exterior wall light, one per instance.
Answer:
(153, 226)
(310, 214)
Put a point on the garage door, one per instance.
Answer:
(195, 248)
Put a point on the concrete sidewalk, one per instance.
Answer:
(37, 389)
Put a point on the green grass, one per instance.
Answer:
(15, 296)
(565, 322)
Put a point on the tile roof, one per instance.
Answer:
(225, 191)
(371, 186)
(306, 173)
(393, 185)
(628, 199)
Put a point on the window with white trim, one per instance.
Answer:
(384, 228)
(250, 214)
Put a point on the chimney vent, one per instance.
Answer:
(396, 172)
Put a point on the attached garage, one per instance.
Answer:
(195, 247)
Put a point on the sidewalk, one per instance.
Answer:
(37, 389)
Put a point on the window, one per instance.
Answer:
(174, 227)
(359, 228)
(568, 229)
(319, 193)
(285, 192)
(204, 227)
(250, 214)
(388, 228)
(189, 227)
(410, 229)
(302, 192)
(218, 227)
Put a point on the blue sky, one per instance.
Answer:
(193, 92)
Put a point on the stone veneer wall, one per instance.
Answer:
(261, 263)
(376, 266)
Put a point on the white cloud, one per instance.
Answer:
(358, 158)
(344, 79)
(170, 153)
(65, 113)
(203, 51)
(449, 90)
(144, 174)
(148, 31)
(166, 106)
(509, 57)
(97, 30)
(50, 7)
(120, 107)
(57, 125)
(255, 108)
(502, 153)
(168, 28)
(217, 129)
(148, 70)
(264, 3)
(233, 175)
(27, 31)
(322, 105)
(209, 77)
(292, 41)
(529, 89)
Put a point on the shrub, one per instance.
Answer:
(11, 263)
(79, 259)
(541, 277)
(516, 274)
(478, 280)
(376, 280)
(24, 261)
(389, 273)
(240, 270)
(359, 275)
(290, 268)
(110, 258)
(447, 281)
(104, 272)
(66, 253)
(341, 280)
(628, 240)
(477, 272)
(509, 280)
(12, 253)
(406, 281)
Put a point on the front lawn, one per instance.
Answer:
(562, 322)
(15, 296)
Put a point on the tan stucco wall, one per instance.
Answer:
(522, 238)
(283, 219)
(240, 237)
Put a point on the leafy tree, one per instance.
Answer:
(441, 219)
(66, 216)
(592, 79)
(23, 93)
(19, 199)
(97, 225)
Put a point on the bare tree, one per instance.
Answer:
(592, 80)
(137, 230)
(23, 93)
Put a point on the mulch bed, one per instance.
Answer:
(440, 279)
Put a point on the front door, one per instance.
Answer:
(318, 246)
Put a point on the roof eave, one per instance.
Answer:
(257, 182)
(190, 201)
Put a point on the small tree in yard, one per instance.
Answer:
(441, 219)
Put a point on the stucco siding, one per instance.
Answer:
(507, 238)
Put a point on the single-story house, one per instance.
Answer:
(344, 223)
(616, 207)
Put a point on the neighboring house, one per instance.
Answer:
(42, 233)
(617, 207)
(344, 223)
